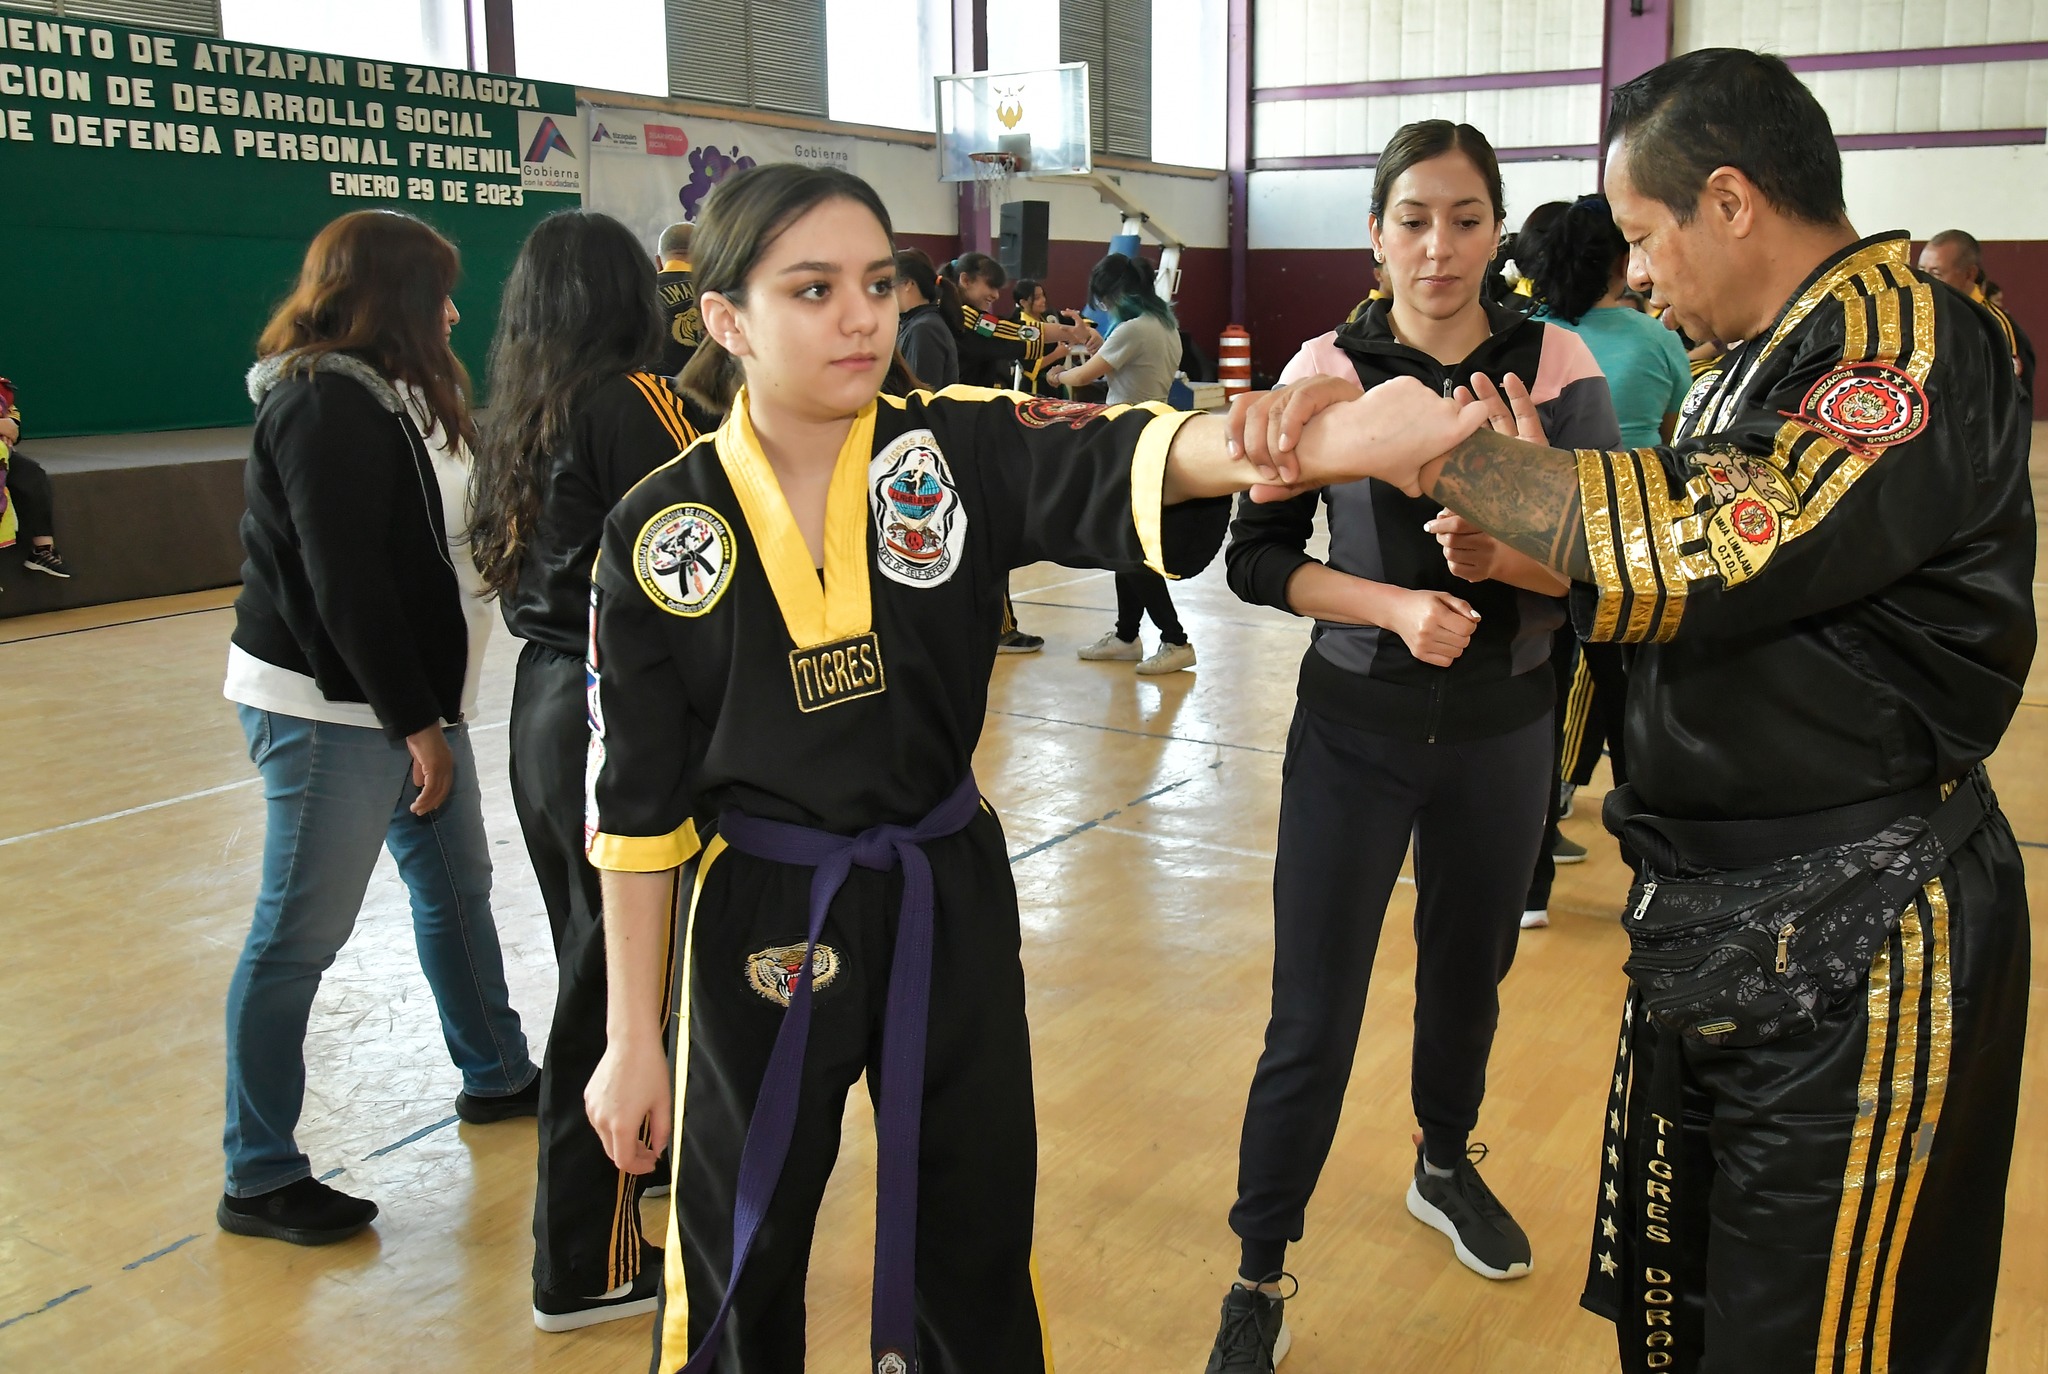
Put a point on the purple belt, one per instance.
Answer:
(893, 1337)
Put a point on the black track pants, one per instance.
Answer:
(1831, 1202)
(35, 503)
(977, 1312)
(1139, 594)
(1349, 801)
(586, 1218)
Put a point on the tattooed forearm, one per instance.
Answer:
(1525, 496)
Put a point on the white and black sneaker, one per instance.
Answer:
(1488, 1241)
(1253, 1336)
(557, 1312)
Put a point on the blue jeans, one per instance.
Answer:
(334, 794)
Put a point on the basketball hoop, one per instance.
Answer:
(992, 175)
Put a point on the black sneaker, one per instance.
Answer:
(482, 1111)
(1017, 642)
(44, 558)
(1253, 1336)
(305, 1213)
(557, 1311)
(1487, 1239)
(1567, 851)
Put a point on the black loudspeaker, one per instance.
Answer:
(1022, 250)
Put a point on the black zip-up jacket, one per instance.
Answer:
(624, 429)
(1363, 675)
(346, 575)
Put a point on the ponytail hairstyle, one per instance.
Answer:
(1123, 287)
(746, 213)
(914, 266)
(980, 266)
(374, 283)
(579, 309)
(1575, 259)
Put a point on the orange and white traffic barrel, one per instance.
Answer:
(1234, 361)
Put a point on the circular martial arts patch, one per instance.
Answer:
(683, 559)
(1702, 387)
(1870, 405)
(773, 972)
(920, 525)
(1044, 412)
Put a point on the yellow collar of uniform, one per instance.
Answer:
(813, 614)
(1977, 293)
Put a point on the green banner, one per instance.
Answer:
(161, 189)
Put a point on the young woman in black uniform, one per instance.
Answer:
(1424, 711)
(808, 739)
(577, 420)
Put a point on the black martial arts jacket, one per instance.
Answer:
(626, 427)
(728, 673)
(1830, 572)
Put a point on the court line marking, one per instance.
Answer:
(159, 1254)
(421, 1134)
(1085, 826)
(1072, 581)
(129, 811)
(38, 1311)
(173, 801)
(1286, 625)
(112, 624)
(1141, 734)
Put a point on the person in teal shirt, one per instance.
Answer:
(1579, 269)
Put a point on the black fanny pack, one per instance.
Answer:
(1744, 955)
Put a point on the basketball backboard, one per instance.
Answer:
(1039, 117)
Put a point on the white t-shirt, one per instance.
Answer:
(267, 687)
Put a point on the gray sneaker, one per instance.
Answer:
(1253, 1336)
(1487, 1240)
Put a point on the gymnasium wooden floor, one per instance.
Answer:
(1141, 812)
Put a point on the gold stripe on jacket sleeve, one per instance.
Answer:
(1601, 541)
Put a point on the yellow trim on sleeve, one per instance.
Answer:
(1148, 484)
(644, 853)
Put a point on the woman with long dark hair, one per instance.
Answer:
(1423, 715)
(818, 733)
(1138, 359)
(928, 308)
(578, 420)
(358, 645)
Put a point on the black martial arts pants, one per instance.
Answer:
(1564, 663)
(1139, 594)
(977, 1312)
(1593, 712)
(1833, 1201)
(586, 1217)
(1349, 802)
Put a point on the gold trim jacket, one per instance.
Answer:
(1830, 572)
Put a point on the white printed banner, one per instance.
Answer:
(649, 169)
